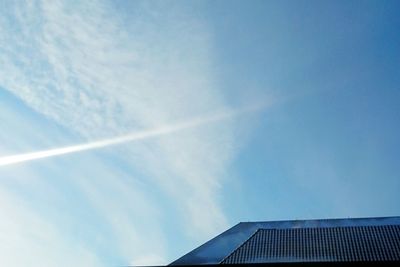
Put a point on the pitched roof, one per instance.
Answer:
(359, 239)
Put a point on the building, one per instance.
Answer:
(300, 242)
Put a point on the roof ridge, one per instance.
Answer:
(324, 219)
(241, 245)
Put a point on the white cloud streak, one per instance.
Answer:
(164, 130)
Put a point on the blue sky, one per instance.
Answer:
(325, 144)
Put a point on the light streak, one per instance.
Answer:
(136, 136)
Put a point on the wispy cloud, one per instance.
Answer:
(42, 246)
(99, 74)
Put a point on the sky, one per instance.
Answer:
(246, 111)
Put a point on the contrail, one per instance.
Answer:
(140, 135)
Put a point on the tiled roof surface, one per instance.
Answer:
(361, 243)
(326, 240)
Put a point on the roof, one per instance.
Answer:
(351, 239)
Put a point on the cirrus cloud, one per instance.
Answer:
(98, 74)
